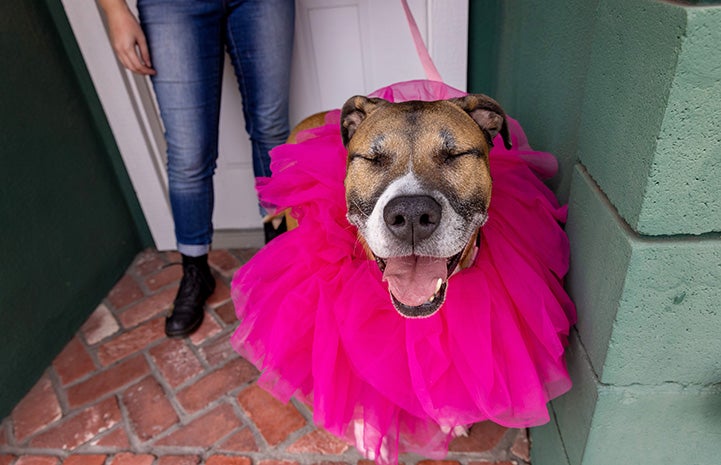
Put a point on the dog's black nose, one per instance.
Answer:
(412, 218)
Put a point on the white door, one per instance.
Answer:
(342, 48)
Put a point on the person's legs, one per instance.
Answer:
(260, 44)
(186, 45)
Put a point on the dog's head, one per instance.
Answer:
(418, 188)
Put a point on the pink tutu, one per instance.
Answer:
(317, 321)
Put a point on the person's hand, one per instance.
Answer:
(128, 40)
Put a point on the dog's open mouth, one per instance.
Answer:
(417, 284)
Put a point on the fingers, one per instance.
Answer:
(145, 52)
(133, 53)
(129, 42)
(132, 58)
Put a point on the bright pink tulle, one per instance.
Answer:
(316, 319)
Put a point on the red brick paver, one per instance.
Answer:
(278, 462)
(37, 410)
(37, 460)
(126, 291)
(179, 460)
(74, 362)
(149, 411)
(81, 427)
(107, 381)
(176, 361)
(206, 430)
(148, 308)
(275, 420)
(149, 262)
(319, 442)
(127, 458)
(169, 275)
(85, 460)
(207, 330)
(131, 342)
(242, 441)
(224, 262)
(226, 313)
(214, 385)
(217, 352)
(227, 460)
(101, 325)
(116, 438)
(121, 393)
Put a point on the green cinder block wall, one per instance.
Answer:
(644, 360)
(646, 301)
(627, 94)
(532, 56)
(70, 222)
(653, 107)
(604, 424)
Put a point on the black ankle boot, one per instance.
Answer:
(195, 288)
(271, 231)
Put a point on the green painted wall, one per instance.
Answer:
(627, 94)
(613, 83)
(485, 19)
(644, 360)
(69, 222)
(533, 59)
(653, 106)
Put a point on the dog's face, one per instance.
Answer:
(418, 188)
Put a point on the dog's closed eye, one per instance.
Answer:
(451, 156)
(376, 158)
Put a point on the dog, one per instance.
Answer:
(418, 187)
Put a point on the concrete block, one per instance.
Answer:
(574, 410)
(640, 424)
(600, 255)
(651, 115)
(682, 193)
(642, 303)
(547, 446)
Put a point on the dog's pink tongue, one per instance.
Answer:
(413, 280)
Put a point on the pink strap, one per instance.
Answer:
(430, 69)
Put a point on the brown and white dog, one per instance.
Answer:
(418, 187)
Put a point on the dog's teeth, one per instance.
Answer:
(439, 283)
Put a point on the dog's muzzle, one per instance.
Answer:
(417, 284)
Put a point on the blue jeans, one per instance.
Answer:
(187, 40)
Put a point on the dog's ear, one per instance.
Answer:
(487, 113)
(354, 111)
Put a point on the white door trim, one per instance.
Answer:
(129, 106)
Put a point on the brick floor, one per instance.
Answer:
(121, 393)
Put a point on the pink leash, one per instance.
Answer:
(431, 71)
